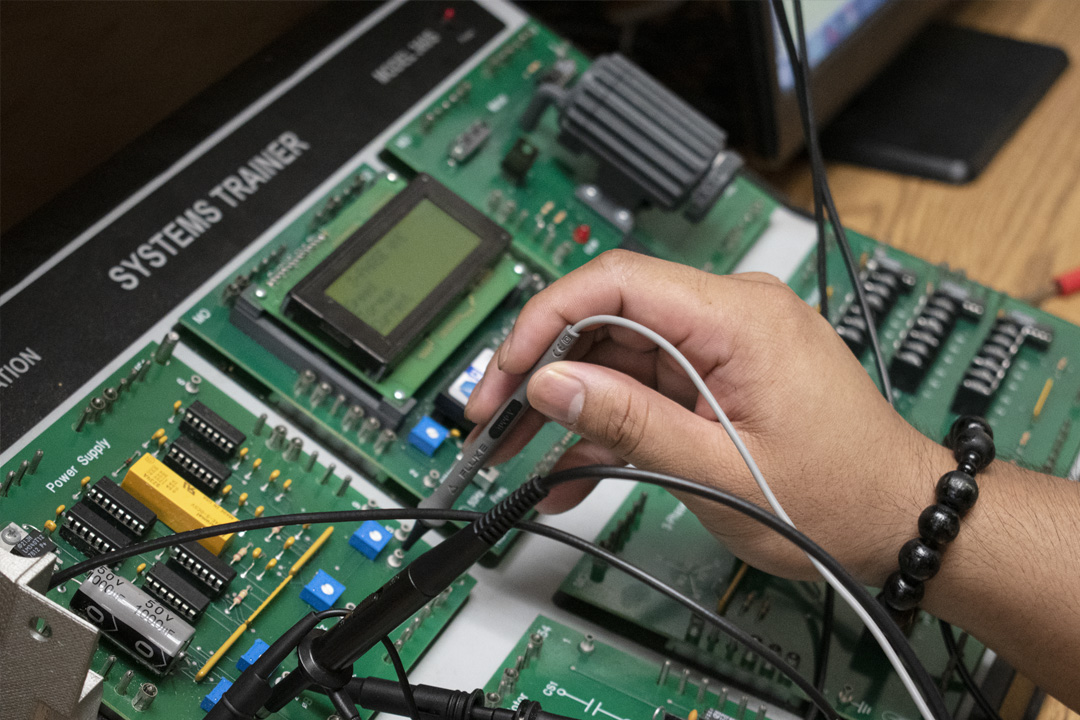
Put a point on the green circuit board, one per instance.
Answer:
(1046, 377)
(543, 211)
(481, 320)
(655, 532)
(109, 446)
(573, 674)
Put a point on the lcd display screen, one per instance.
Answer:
(399, 271)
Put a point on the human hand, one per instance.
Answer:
(851, 473)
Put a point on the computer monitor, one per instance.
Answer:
(849, 42)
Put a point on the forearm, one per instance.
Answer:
(1012, 576)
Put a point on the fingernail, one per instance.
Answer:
(504, 349)
(558, 395)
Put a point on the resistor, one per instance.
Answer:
(559, 217)
(239, 554)
(274, 532)
(270, 565)
(546, 208)
(238, 598)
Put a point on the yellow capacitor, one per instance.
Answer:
(84, 482)
(256, 553)
(287, 484)
(162, 440)
(179, 505)
(158, 433)
(259, 511)
(274, 475)
(243, 453)
(255, 465)
(60, 510)
(242, 500)
(176, 406)
(50, 526)
(141, 568)
(226, 490)
(289, 542)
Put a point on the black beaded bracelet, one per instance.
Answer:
(972, 441)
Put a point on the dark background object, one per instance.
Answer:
(946, 105)
(720, 56)
(81, 80)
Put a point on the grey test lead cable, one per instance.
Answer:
(475, 455)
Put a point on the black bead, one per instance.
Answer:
(938, 525)
(901, 593)
(958, 490)
(919, 561)
(975, 447)
(966, 423)
(967, 468)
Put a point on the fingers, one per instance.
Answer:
(633, 422)
(566, 497)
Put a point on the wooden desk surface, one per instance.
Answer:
(1017, 224)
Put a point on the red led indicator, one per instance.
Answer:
(581, 234)
(448, 14)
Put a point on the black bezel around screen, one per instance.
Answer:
(309, 304)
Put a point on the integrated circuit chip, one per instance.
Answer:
(211, 430)
(170, 588)
(126, 512)
(205, 567)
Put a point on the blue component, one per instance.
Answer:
(427, 436)
(322, 592)
(257, 648)
(370, 538)
(214, 695)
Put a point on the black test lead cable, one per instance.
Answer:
(530, 527)
(801, 71)
(817, 165)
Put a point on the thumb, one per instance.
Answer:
(635, 422)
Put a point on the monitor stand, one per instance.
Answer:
(945, 105)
